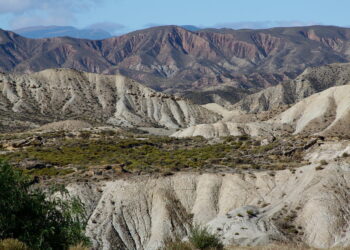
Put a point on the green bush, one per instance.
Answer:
(41, 220)
(12, 244)
(201, 239)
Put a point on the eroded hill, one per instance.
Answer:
(61, 94)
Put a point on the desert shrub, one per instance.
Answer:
(39, 219)
(243, 137)
(12, 244)
(108, 132)
(323, 162)
(80, 246)
(201, 239)
(319, 168)
(178, 245)
(85, 134)
(49, 171)
(251, 213)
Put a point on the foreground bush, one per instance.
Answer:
(200, 238)
(39, 219)
(12, 244)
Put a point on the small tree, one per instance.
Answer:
(37, 218)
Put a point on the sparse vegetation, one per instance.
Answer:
(201, 239)
(63, 152)
(178, 245)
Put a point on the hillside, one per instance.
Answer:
(312, 80)
(326, 113)
(61, 94)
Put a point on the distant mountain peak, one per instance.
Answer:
(190, 27)
(62, 31)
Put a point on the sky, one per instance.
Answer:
(121, 16)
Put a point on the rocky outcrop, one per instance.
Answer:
(308, 205)
(61, 94)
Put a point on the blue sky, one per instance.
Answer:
(120, 16)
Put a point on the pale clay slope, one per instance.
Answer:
(327, 112)
(68, 125)
(324, 113)
(225, 113)
(222, 129)
(61, 94)
(311, 81)
(234, 123)
(143, 212)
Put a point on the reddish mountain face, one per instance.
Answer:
(173, 59)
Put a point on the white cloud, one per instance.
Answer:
(262, 24)
(108, 26)
(14, 6)
(44, 12)
(20, 6)
(22, 21)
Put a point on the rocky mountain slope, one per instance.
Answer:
(61, 94)
(312, 80)
(174, 59)
(308, 205)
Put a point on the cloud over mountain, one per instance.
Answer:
(50, 12)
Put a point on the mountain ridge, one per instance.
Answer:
(173, 59)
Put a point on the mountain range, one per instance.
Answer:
(173, 59)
